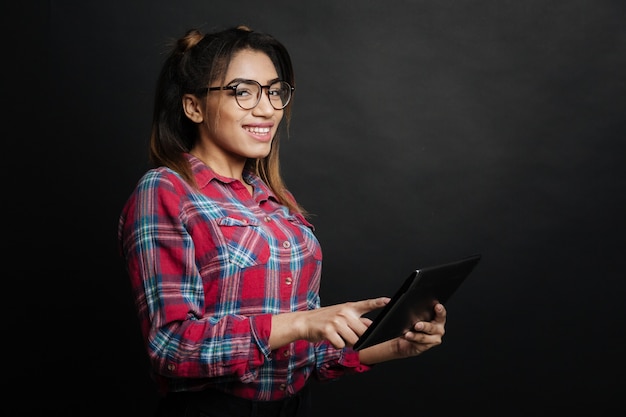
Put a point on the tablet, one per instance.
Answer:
(415, 299)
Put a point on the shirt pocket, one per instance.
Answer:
(310, 245)
(245, 244)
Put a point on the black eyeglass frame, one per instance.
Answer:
(261, 87)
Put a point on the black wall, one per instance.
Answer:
(423, 131)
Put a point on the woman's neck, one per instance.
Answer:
(230, 168)
(225, 168)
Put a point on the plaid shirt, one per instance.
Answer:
(208, 269)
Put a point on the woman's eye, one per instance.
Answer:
(243, 92)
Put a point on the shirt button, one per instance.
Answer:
(288, 280)
(286, 353)
(286, 244)
(171, 367)
(268, 219)
(283, 387)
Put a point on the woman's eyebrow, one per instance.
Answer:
(243, 80)
(237, 81)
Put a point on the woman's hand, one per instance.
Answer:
(425, 335)
(340, 324)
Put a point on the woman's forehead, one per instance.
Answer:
(252, 65)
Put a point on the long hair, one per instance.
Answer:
(195, 61)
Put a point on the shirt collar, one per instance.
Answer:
(204, 175)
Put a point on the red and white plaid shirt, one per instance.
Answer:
(208, 269)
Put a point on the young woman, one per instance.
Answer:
(224, 265)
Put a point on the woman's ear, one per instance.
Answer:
(192, 108)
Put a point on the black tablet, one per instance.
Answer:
(415, 299)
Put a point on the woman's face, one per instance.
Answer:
(230, 133)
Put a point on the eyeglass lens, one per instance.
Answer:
(248, 94)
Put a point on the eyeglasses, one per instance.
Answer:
(248, 93)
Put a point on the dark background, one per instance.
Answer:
(423, 131)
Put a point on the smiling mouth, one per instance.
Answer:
(258, 130)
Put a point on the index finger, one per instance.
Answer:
(365, 306)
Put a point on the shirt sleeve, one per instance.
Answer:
(333, 363)
(169, 292)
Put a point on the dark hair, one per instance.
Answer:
(195, 61)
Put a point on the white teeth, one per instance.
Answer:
(258, 129)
